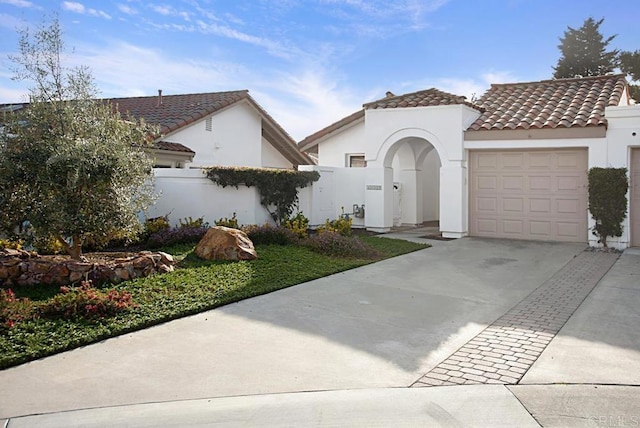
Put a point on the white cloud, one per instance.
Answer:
(20, 3)
(10, 21)
(79, 8)
(127, 9)
(273, 47)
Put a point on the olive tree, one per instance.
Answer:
(70, 164)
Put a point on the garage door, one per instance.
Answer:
(635, 198)
(539, 194)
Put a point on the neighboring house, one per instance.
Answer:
(511, 165)
(215, 128)
(203, 130)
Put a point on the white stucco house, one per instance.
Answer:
(211, 129)
(513, 164)
(215, 128)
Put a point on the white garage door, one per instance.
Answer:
(536, 194)
(635, 198)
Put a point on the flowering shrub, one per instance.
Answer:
(13, 310)
(190, 222)
(47, 244)
(298, 225)
(86, 302)
(340, 225)
(267, 234)
(176, 235)
(228, 222)
(14, 244)
(156, 224)
(333, 244)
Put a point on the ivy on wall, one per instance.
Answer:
(277, 187)
(608, 201)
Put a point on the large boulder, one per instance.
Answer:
(225, 243)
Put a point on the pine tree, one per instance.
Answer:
(584, 52)
(630, 64)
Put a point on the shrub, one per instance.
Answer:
(608, 201)
(13, 310)
(298, 225)
(190, 222)
(156, 224)
(86, 302)
(228, 222)
(341, 225)
(47, 245)
(267, 235)
(14, 244)
(177, 235)
(333, 244)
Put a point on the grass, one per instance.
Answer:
(195, 287)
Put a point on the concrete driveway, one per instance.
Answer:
(382, 325)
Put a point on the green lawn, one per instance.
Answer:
(194, 287)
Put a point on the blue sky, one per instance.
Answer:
(311, 62)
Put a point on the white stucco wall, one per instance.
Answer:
(234, 140)
(338, 187)
(271, 157)
(333, 150)
(188, 193)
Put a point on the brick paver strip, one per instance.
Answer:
(504, 351)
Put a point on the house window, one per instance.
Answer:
(356, 161)
(207, 124)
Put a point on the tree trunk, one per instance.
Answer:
(75, 249)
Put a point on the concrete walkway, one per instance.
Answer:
(358, 339)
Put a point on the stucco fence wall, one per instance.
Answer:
(187, 193)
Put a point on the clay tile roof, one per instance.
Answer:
(174, 147)
(425, 98)
(171, 112)
(561, 103)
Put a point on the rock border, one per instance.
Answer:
(24, 268)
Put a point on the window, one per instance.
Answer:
(207, 124)
(356, 161)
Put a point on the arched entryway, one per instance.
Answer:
(416, 181)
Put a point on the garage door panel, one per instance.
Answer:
(569, 184)
(512, 182)
(486, 182)
(540, 206)
(540, 183)
(538, 161)
(513, 227)
(540, 229)
(487, 205)
(513, 205)
(534, 194)
(568, 206)
(512, 161)
(487, 226)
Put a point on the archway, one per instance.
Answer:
(415, 171)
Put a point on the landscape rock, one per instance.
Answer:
(23, 268)
(225, 243)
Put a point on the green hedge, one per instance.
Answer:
(608, 201)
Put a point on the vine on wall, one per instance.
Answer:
(608, 201)
(277, 187)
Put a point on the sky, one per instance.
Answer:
(309, 62)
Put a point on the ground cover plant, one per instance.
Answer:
(40, 321)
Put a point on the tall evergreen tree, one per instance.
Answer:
(630, 64)
(584, 52)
